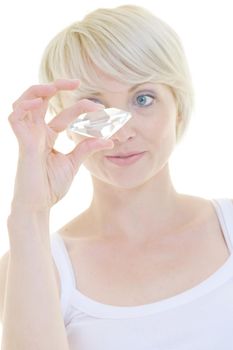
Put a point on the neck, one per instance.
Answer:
(136, 214)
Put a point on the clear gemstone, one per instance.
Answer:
(102, 124)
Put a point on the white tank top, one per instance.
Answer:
(200, 318)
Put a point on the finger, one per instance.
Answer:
(47, 90)
(63, 119)
(36, 91)
(87, 147)
(67, 84)
(22, 109)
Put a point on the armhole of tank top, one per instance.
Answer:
(65, 270)
(224, 207)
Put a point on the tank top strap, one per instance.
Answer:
(65, 269)
(224, 208)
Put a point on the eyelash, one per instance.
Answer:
(140, 106)
(147, 95)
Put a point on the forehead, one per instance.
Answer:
(104, 83)
(113, 86)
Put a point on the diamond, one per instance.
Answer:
(102, 124)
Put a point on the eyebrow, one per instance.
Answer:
(130, 90)
(137, 85)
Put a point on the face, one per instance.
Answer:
(151, 131)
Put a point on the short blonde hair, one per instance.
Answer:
(129, 44)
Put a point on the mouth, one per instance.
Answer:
(124, 155)
(125, 159)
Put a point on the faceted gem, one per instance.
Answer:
(101, 124)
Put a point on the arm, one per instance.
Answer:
(32, 316)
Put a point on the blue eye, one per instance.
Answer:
(145, 100)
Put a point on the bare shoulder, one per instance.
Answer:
(78, 227)
(198, 212)
(197, 202)
(71, 232)
(195, 206)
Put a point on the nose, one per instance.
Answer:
(125, 133)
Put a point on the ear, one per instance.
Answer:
(178, 118)
(178, 122)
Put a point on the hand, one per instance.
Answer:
(44, 175)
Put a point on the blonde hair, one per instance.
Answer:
(127, 43)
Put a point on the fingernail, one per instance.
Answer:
(100, 105)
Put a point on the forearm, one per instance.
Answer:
(32, 316)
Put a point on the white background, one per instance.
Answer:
(202, 165)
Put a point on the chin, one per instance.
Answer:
(124, 182)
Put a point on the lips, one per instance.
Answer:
(124, 155)
(125, 159)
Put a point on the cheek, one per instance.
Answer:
(92, 163)
(161, 131)
(167, 140)
(154, 129)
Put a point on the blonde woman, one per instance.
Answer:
(143, 267)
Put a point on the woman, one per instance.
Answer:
(143, 267)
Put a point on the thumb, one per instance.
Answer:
(87, 147)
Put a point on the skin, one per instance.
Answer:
(54, 171)
(135, 210)
(141, 193)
